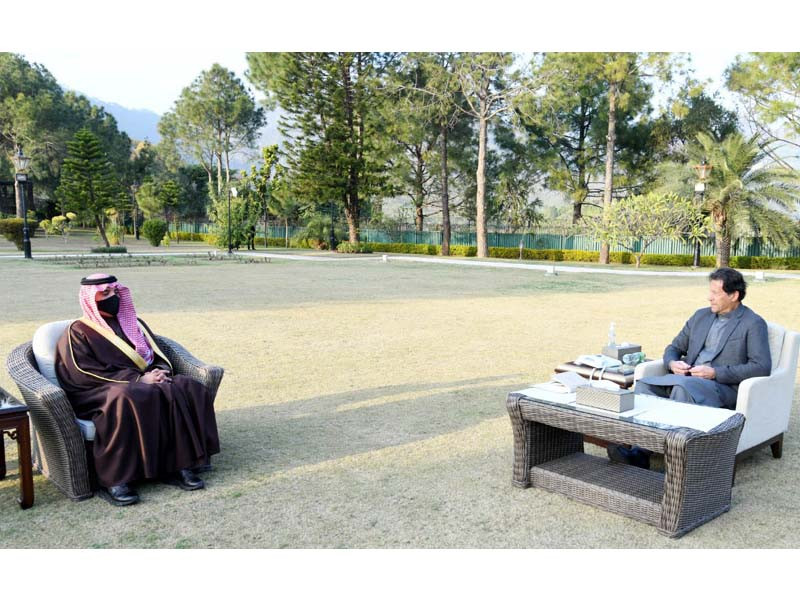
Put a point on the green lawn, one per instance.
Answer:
(363, 405)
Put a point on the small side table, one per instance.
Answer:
(14, 424)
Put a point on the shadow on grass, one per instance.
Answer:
(265, 440)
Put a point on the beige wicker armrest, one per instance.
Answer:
(651, 368)
(185, 363)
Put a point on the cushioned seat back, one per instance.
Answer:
(776, 333)
(44, 350)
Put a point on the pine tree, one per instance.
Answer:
(88, 183)
(332, 125)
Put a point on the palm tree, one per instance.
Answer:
(747, 192)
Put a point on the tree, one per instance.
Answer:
(213, 117)
(32, 113)
(743, 188)
(331, 123)
(487, 93)
(144, 164)
(561, 117)
(88, 184)
(622, 72)
(411, 135)
(441, 82)
(635, 222)
(769, 85)
(170, 197)
(261, 181)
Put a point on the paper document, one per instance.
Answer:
(679, 414)
(540, 393)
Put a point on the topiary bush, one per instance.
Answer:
(12, 230)
(401, 248)
(154, 230)
(109, 250)
(354, 248)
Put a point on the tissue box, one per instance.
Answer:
(614, 400)
(619, 351)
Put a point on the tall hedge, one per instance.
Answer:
(12, 230)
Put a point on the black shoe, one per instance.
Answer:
(629, 456)
(119, 495)
(186, 480)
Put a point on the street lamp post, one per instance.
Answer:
(21, 163)
(231, 190)
(703, 171)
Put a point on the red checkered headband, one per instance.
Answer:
(126, 316)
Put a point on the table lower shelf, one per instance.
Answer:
(623, 489)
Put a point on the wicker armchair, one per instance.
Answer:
(59, 448)
(766, 402)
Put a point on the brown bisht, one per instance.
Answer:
(143, 430)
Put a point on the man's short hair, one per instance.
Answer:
(732, 281)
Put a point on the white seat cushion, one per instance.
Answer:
(775, 334)
(44, 350)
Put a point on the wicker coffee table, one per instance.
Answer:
(698, 443)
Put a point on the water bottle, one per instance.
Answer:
(612, 336)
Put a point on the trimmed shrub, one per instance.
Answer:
(278, 242)
(400, 248)
(765, 262)
(354, 248)
(462, 250)
(185, 236)
(154, 231)
(12, 230)
(109, 250)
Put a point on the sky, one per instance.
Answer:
(142, 55)
(153, 80)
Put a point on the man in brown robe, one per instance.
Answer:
(149, 423)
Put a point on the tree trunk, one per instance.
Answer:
(135, 216)
(611, 138)
(102, 230)
(445, 197)
(480, 200)
(219, 174)
(227, 168)
(638, 258)
(577, 206)
(351, 203)
(286, 231)
(723, 241)
(266, 222)
(419, 187)
(351, 212)
(581, 192)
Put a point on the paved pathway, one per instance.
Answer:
(554, 269)
(452, 261)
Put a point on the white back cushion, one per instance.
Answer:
(44, 348)
(775, 334)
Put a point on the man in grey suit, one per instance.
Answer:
(718, 348)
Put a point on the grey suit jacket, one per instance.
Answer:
(743, 351)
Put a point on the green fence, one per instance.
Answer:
(539, 240)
